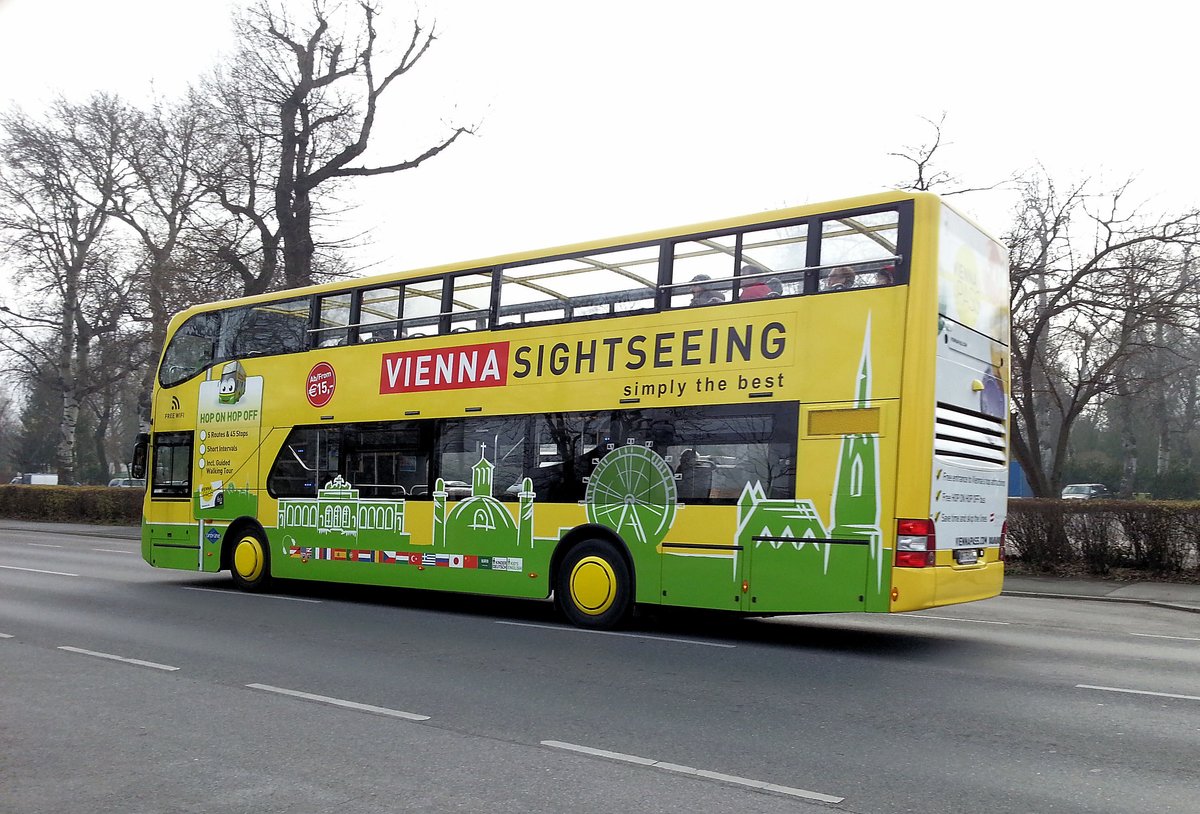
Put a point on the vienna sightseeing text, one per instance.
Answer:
(488, 365)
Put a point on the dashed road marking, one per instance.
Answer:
(1138, 692)
(139, 662)
(38, 571)
(688, 770)
(567, 629)
(259, 596)
(340, 702)
(1159, 636)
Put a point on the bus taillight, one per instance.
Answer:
(915, 543)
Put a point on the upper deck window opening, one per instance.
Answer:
(192, 349)
(601, 283)
(333, 321)
(470, 302)
(421, 311)
(703, 270)
(265, 328)
(774, 262)
(860, 251)
(379, 314)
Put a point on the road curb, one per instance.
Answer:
(1154, 603)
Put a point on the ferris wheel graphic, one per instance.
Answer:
(632, 491)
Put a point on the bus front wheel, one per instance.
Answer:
(250, 562)
(592, 587)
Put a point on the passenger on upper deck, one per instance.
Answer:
(839, 279)
(755, 289)
(704, 291)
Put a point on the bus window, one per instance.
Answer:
(465, 442)
(470, 303)
(333, 321)
(265, 329)
(422, 308)
(702, 271)
(172, 472)
(386, 460)
(306, 462)
(379, 314)
(715, 451)
(566, 448)
(191, 350)
(778, 257)
(601, 283)
(863, 242)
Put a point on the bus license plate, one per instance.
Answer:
(966, 556)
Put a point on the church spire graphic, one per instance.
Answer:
(855, 509)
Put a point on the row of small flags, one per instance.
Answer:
(425, 560)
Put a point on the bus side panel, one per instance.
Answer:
(479, 545)
(829, 549)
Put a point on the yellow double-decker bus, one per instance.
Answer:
(802, 410)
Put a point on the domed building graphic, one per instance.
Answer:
(482, 520)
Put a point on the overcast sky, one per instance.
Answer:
(602, 119)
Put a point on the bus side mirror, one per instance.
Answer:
(137, 468)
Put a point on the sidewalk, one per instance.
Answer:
(1172, 595)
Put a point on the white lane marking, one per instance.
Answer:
(949, 619)
(260, 596)
(1157, 636)
(111, 657)
(338, 702)
(1138, 692)
(565, 629)
(112, 551)
(38, 571)
(44, 545)
(674, 767)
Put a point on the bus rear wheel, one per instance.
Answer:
(250, 562)
(592, 586)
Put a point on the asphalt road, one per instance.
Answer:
(125, 688)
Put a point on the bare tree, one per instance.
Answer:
(299, 102)
(57, 184)
(928, 176)
(1091, 278)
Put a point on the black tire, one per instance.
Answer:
(250, 561)
(593, 587)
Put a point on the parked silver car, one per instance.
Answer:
(1085, 491)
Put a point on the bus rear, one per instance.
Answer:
(950, 546)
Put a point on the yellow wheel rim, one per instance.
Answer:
(248, 558)
(593, 585)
